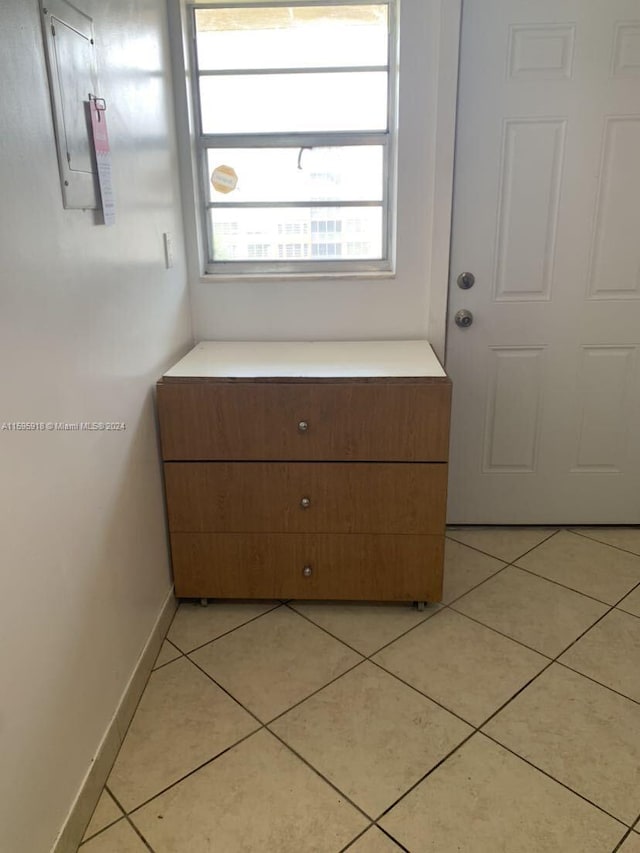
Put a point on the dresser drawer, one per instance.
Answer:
(392, 421)
(312, 497)
(338, 566)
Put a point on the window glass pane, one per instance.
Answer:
(290, 103)
(296, 233)
(292, 37)
(349, 173)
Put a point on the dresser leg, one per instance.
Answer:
(420, 605)
(204, 602)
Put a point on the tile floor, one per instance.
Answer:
(507, 719)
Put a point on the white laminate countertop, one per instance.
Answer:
(307, 359)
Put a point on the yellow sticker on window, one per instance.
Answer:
(224, 179)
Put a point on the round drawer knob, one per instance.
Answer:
(307, 571)
(303, 426)
(305, 503)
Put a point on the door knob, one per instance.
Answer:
(463, 318)
(466, 280)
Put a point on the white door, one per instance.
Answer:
(546, 413)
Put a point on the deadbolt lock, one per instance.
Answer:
(466, 280)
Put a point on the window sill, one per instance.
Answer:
(373, 275)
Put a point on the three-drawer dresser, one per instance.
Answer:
(312, 470)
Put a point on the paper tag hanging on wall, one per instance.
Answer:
(224, 179)
(98, 110)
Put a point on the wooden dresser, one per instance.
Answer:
(306, 470)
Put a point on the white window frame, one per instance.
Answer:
(202, 142)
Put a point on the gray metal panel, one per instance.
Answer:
(70, 51)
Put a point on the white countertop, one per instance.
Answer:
(308, 359)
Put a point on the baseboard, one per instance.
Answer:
(83, 807)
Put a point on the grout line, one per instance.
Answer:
(100, 831)
(609, 607)
(501, 633)
(514, 565)
(395, 840)
(146, 684)
(230, 631)
(138, 833)
(564, 585)
(506, 564)
(191, 773)
(428, 773)
(353, 648)
(599, 683)
(441, 609)
(628, 612)
(635, 825)
(322, 776)
(356, 838)
(167, 663)
(475, 586)
(224, 690)
(113, 796)
(502, 560)
(422, 693)
(374, 825)
(553, 778)
(622, 840)
(123, 817)
(600, 542)
(286, 711)
(319, 689)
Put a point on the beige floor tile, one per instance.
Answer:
(485, 800)
(627, 538)
(373, 841)
(444, 657)
(119, 838)
(275, 662)
(195, 625)
(582, 734)
(534, 611)
(258, 796)
(590, 567)
(632, 602)
(107, 811)
(365, 627)
(167, 653)
(632, 844)
(371, 736)
(465, 568)
(610, 653)
(505, 543)
(183, 720)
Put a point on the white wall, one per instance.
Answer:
(413, 304)
(89, 319)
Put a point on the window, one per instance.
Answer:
(295, 109)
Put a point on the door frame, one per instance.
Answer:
(441, 201)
